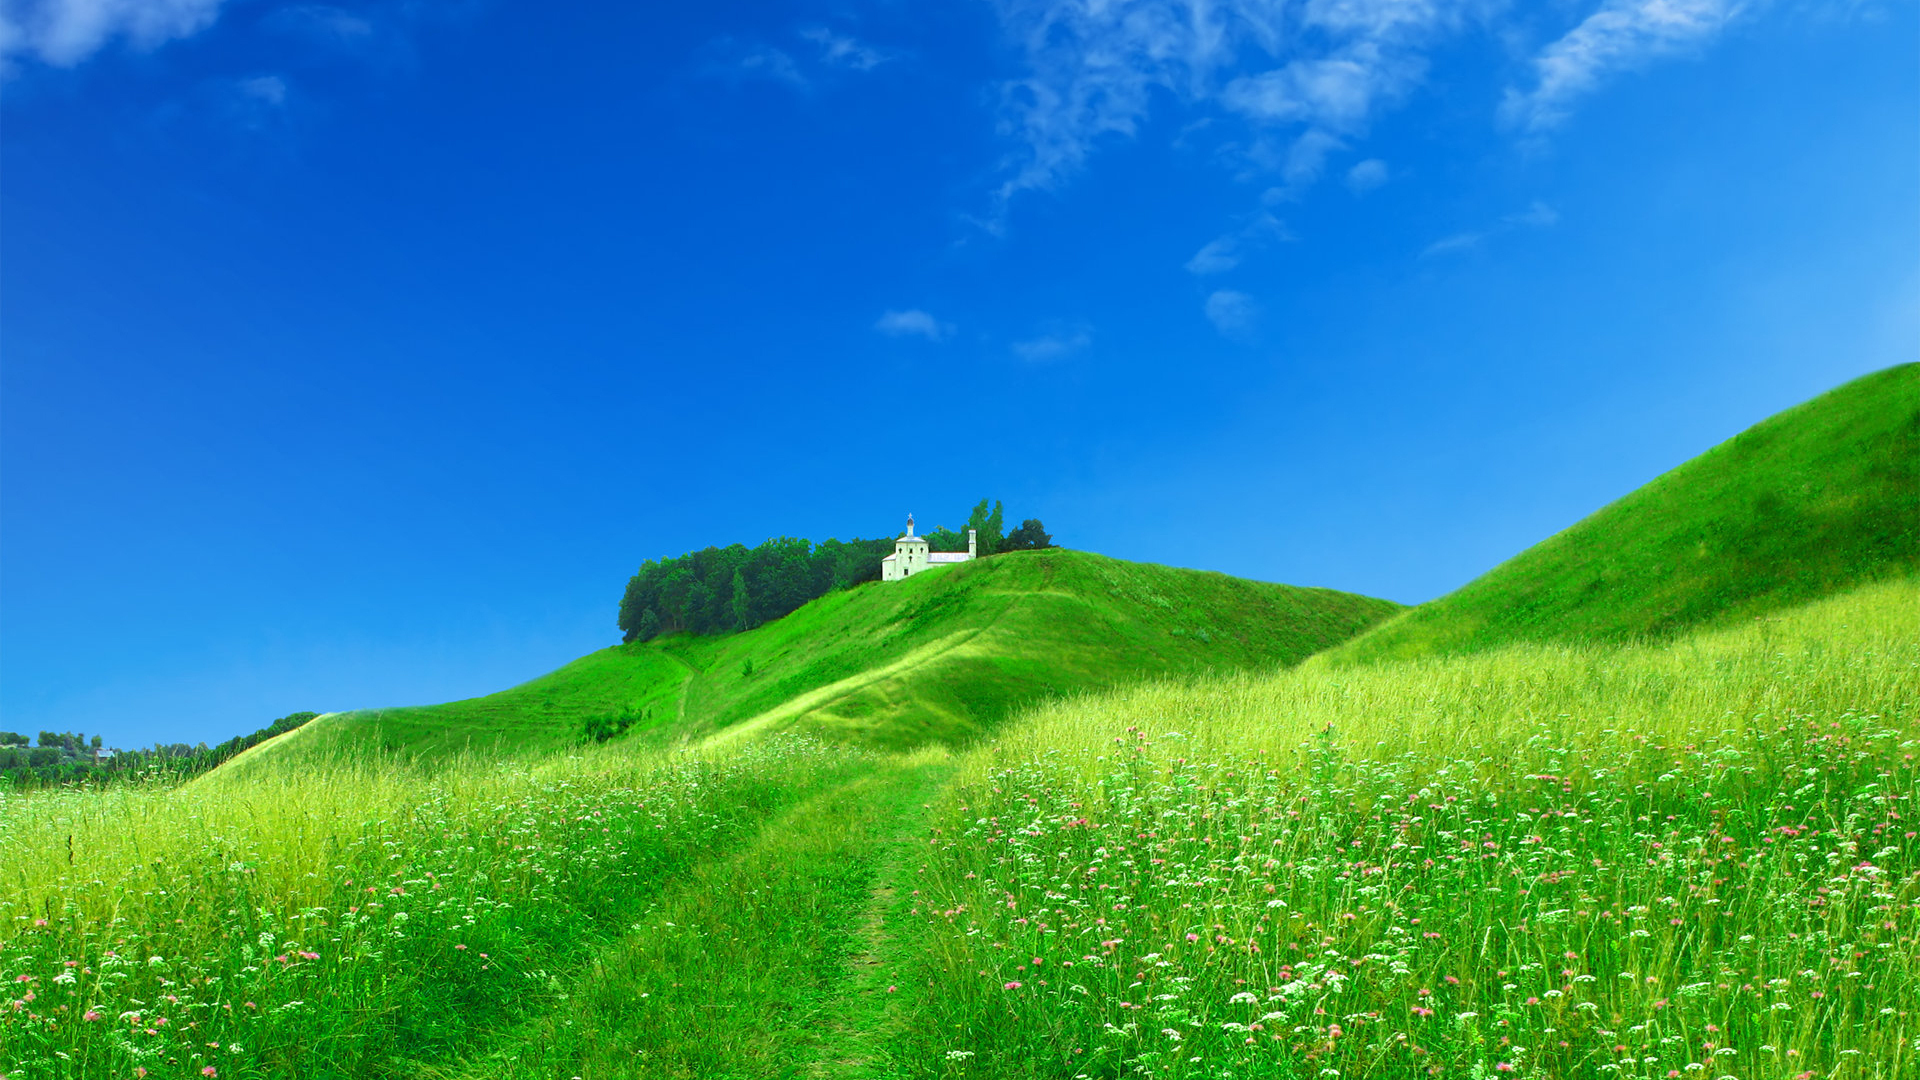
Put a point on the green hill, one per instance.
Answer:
(936, 658)
(1809, 502)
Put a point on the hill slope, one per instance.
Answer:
(1806, 503)
(936, 658)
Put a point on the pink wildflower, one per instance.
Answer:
(1011, 986)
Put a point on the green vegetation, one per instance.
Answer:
(722, 590)
(936, 658)
(1549, 861)
(1804, 504)
(70, 758)
(353, 917)
(1082, 819)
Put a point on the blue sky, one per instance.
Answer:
(355, 355)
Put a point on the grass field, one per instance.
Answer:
(1059, 816)
(1693, 859)
(1808, 502)
(936, 658)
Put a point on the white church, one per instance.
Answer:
(910, 555)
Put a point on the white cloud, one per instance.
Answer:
(1217, 257)
(1232, 312)
(1095, 67)
(1450, 244)
(839, 50)
(1622, 35)
(323, 21)
(1308, 77)
(1223, 253)
(266, 89)
(63, 33)
(913, 323)
(1053, 346)
(1366, 176)
(1537, 215)
(731, 58)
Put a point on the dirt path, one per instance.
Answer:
(771, 962)
(876, 990)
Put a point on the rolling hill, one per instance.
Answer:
(934, 659)
(1809, 502)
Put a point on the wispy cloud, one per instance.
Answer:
(1307, 78)
(732, 58)
(323, 21)
(840, 51)
(265, 89)
(1537, 215)
(913, 322)
(1223, 253)
(1366, 176)
(63, 33)
(1622, 35)
(1054, 345)
(1231, 312)
(1321, 67)
(1448, 245)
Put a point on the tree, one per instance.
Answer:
(742, 604)
(988, 527)
(1030, 536)
(13, 738)
(941, 538)
(649, 626)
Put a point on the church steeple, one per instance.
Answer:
(909, 535)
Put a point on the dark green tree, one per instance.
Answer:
(1028, 537)
(988, 527)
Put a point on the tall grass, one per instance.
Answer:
(1695, 860)
(352, 918)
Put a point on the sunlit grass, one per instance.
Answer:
(342, 919)
(1693, 861)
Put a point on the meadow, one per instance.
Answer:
(355, 918)
(1687, 860)
(1639, 803)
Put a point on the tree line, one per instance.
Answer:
(63, 757)
(723, 590)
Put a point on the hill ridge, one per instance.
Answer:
(1810, 501)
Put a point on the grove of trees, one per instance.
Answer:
(67, 757)
(722, 590)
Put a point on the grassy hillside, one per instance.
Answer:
(1690, 858)
(1811, 501)
(935, 658)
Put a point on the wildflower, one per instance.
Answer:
(1503, 1067)
(209, 1071)
(1015, 985)
(90, 1016)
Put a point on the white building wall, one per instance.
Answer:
(910, 556)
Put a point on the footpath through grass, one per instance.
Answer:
(776, 962)
(354, 921)
(936, 659)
